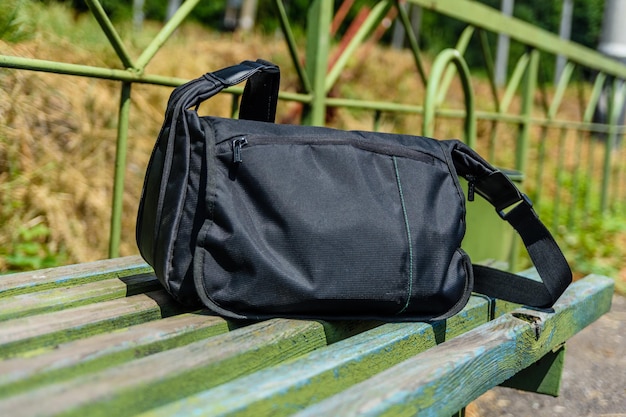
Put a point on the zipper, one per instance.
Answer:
(471, 187)
(237, 145)
(239, 142)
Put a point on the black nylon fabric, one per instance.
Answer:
(257, 220)
(311, 226)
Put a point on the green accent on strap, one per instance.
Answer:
(408, 235)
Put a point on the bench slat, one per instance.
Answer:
(444, 379)
(173, 374)
(543, 377)
(106, 350)
(284, 389)
(97, 339)
(65, 276)
(48, 330)
(47, 301)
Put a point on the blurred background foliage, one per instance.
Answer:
(436, 30)
(57, 148)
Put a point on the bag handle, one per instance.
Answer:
(260, 94)
(258, 103)
(516, 208)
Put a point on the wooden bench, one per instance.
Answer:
(103, 339)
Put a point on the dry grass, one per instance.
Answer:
(57, 142)
(58, 133)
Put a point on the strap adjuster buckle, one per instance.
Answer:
(504, 212)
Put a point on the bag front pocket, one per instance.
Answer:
(313, 227)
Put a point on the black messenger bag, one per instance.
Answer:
(257, 220)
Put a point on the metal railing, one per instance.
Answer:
(536, 130)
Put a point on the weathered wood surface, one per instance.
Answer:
(19, 336)
(324, 372)
(46, 301)
(175, 373)
(441, 380)
(95, 353)
(100, 339)
(67, 276)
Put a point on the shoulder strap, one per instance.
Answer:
(516, 208)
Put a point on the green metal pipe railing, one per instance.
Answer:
(374, 18)
(317, 52)
(490, 19)
(63, 68)
(120, 170)
(431, 99)
(317, 93)
(412, 41)
(164, 34)
(109, 30)
(291, 45)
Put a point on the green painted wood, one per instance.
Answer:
(543, 377)
(119, 357)
(166, 376)
(65, 276)
(23, 305)
(102, 351)
(336, 331)
(20, 336)
(289, 387)
(442, 380)
(101, 365)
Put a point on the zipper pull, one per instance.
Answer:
(237, 145)
(471, 185)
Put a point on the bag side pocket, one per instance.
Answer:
(434, 214)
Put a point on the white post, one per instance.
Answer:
(565, 31)
(415, 17)
(172, 6)
(248, 15)
(502, 54)
(138, 15)
(613, 38)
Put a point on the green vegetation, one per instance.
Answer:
(440, 31)
(13, 27)
(57, 133)
(593, 242)
(32, 249)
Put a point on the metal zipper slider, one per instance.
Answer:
(237, 145)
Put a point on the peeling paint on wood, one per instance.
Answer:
(99, 352)
(98, 339)
(19, 336)
(65, 276)
(463, 368)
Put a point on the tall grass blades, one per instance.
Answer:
(13, 23)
